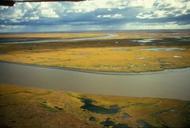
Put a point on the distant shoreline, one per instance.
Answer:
(145, 30)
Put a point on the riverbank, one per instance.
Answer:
(107, 59)
(122, 53)
(22, 106)
(100, 72)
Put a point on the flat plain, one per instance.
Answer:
(124, 52)
(29, 107)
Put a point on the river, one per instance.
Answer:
(36, 41)
(173, 84)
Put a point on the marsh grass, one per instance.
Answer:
(60, 108)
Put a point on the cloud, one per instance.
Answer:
(166, 8)
(97, 14)
(92, 5)
(149, 26)
(111, 16)
(28, 11)
(141, 3)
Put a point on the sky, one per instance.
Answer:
(95, 15)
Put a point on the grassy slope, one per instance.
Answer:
(39, 108)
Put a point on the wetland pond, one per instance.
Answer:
(173, 83)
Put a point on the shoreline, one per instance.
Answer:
(96, 71)
(89, 94)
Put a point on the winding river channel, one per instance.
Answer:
(173, 83)
(37, 40)
(164, 84)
